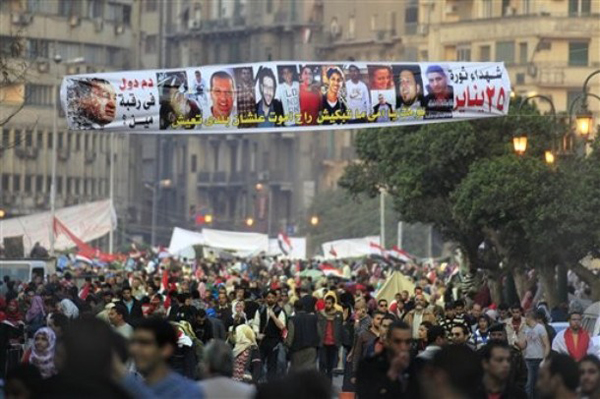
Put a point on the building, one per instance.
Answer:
(90, 36)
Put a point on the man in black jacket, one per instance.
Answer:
(382, 376)
(303, 337)
(268, 324)
(495, 359)
(330, 330)
(133, 306)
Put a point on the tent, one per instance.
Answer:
(394, 284)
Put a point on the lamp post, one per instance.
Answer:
(57, 60)
(520, 142)
(155, 189)
(111, 191)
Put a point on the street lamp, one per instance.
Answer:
(584, 122)
(208, 219)
(549, 157)
(520, 144)
(314, 220)
(249, 222)
(155, 188)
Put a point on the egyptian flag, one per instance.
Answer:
(379, 248)
(400, 255)
(85, 291)
(285, 244)
(331, 271)
(332, 252)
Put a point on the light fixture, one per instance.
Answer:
(249, 222)
(314, 220)
(208, 218)
(549, 157)
(259, 186)
(520, 144)
(584, 121)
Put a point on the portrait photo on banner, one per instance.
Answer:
(289, 93)
(439, 92)
(269, 109)
(383, 92)
(91, 103)
(220, 111)
(245, 95)
(410, 98)
(357, 92)
(310, 93)
(333, 103)
(178, 108)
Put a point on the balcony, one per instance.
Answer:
(63, 154)
(90, 156)
(217, 179)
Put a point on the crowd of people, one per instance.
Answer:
(268, 328)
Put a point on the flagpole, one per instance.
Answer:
(382, 217)
(111, 192)
(57, 60)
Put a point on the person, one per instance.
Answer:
(36, 313)
(219, 369)
(460, 335)
(38, 251)
(174, 102)
(303, 336)
(239, 316)
(154, 341)
(358, 98)
(380, 77)
(440, 97)
(515, 327)
(436, 339)
(199, 88)
(92, 102)
(537, 349)
(382, 376)
(221, 95)
(310, 99)
(202, 326)
(116, 316)
(330, 329)
(58, 322)
(589, 377)
(22, 382)
(419, 314)
(379, 343)
(223, 311)
(268, 324)
(288, 92)
(481, 333)
(42, 353)
(332, 101)
(268, 107)
(447, 321)
(244, 353)
(132, 305)
(246, 101)
(410, 88)
(518, 368)
(574, 340)
(365, 340)
(383, 109)
(495, 360)
(558, 378)
(472, 318)
(421, 343)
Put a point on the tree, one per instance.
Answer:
(15, 71)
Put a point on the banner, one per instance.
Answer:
(351, 248)
(276, 96)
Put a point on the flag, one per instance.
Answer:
(379, 248)
(399, 254)
(331, 271)
(85, 291)
(285, 244)
(332, 252)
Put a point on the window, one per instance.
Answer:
(578, 53)
(29, 138)
(520, 78)
(5, 138)
(77, 142)
(151, 5)
(5, 182)
(39, 184)
(38, 95)
(351, 27)
(19, 139)
(194, 163)
(86, 142)
(93, 54)
(16, 183)
(38, 48)
(50, 143)
(48, 184)
(523, 53)
(77, 185)
(411, 19)
(69, 141)
(579, 7)
(505, 51)
(68, 51)
(59, 184)
(69, 185)
(269, 6)
(60, 139)
(64, 8)
(486, 11)
(374, 22)
(573, 95)
(40, 140)
(463, 53)
(526, 7)
(95, 8)
(393, 23)
(28, 185)
(151, 44)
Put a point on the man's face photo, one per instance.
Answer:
(287, 75)
(246, 75)
(354, 74)
(198, 76)
(101, 104)
(222, 96)
(307, 76)
(382, 78)
(267, 89)
(437, 82)
(409, 89)
(381, 99)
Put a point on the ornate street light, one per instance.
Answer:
(549, 156)
(314, 220)
(584, 122)
(520, 144)
(249, 222)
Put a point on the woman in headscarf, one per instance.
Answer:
(245, 342)
(36, 313)
(12, 312)
(41, 354)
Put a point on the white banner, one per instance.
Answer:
(297, 250)
(87, 221)
(351, 248)
(286, 95)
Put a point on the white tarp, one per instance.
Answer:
(182, 239)
(237, 241)
(351, 248)
(86, 221)
(298, 248)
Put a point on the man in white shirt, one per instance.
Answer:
(116, 316)
(289, 94)
(358, 95)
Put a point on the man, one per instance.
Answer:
(573, 341)
(224, 312)
(289, 92)
(419, 314)
(303, 337)
(133, 306)
(203, 327)
(559, 378)
(284, 303)
(436, 339)
(447, 321)
(589, 377)
(518, 368)
(221, 95)
(330, 330)
(218, 364)
(536, 350)
(473, 317)
(410, 90)
(199, 89)
(382, 109)
(365, 340)
(381, 77)
(515, 328)
(268, 107)
(382, 376)
(357, 96)
(441, 95)
(495, 359)
(268, 324)
(116, 316)
(379, 344)
(246, 102)
(154, 342)
(382, 306)
(95, 102)
(137, 288)
(461, 335)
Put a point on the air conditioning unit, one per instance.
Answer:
(423, 29)
(98, 24)
(22, 19)
(43, 66)
(119, 29)
(510, 11)
(40, 199)
(451, 9)
(8, 198)
(194, 24)
(263, 176)
(72, 69)
(74, 21)
(31, 152)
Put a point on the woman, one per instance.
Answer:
(12, 312)
(481, 335)
(421, 343)
(332, 101)
(310, 100)
(41, 354)
(35, 316)
(243, 352)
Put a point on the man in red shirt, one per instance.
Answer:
(330, 328)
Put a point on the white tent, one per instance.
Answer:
(298, 250)
(182, 239)
(351, 247)
(242, 243)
